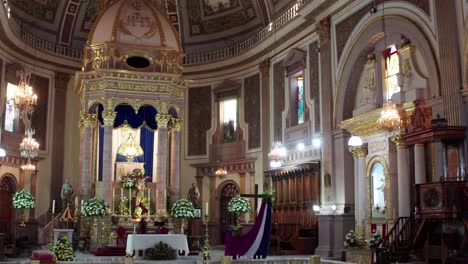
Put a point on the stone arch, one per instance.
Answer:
(361, 41)
(8, 186)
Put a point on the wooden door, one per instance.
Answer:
(7, 189)
(226, 218)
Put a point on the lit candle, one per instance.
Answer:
(164, 197)
(130, 201)
(121, 192)
(149, 201)
(53, 206)
(82, 205)
(206, 208)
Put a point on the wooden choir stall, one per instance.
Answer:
(294, 228)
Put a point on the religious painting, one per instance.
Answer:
(43, 10)
(211, 7)
(212, 16)
(377, 178)
(90, 13)
(198, 213)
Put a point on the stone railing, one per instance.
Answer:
(190, 59)
(44, 45)
(254, 40)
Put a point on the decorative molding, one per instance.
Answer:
(399, 141)
(324, 29)
(237, 166)
(177, 123)
(377, 146)
(264, 67)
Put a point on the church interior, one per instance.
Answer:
(268, 128)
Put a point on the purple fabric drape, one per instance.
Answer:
(238, 246)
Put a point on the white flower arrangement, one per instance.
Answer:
(375, 240)
(239, 205)
(183, 208)
(94, 207)
(23, 200)
(350, 239)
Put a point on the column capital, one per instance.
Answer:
(358, 151)
(109, 117)
(177, 123)
(87, 120)
(399, 141)
(163, 120)
(324, 29)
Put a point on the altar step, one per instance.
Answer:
(110, 251)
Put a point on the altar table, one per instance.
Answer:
(143, 241)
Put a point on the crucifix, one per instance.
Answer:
(255, 196)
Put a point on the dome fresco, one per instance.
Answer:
(220, 22)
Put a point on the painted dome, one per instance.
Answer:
(135, 23)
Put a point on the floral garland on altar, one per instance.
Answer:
(239, 205)
(63, 250)
(23, 200)
(375, 240)
(95, 207)
(351, 240)
(183, 208)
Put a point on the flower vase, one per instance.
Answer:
(22, 219)
(182, 226)
(238, 222)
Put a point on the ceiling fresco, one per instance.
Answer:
(44, 10)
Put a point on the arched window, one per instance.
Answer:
(392, 68)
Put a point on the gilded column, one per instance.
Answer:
(403, 176)
(161, 169)
(107, 159)
(175, 157)
(86, 125)
(419, 164)
(449, 64)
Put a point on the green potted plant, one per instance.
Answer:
(63, 250)
(23, 200)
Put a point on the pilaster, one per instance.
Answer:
(175, 157)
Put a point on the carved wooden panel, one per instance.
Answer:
(199, 119)
(278, 100)
(252, 109)
(314, 84)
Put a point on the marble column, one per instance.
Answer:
(449, 64)
(175, 158)
(360, 187)
(87, 124)
(419, 164)
(161, 171)
(107, 159)
(404, 209)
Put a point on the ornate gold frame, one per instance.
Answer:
(388, 202)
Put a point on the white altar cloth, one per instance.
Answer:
(144, 241)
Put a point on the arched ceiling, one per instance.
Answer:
(203, 24)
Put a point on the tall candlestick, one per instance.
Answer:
(206, 208)
(82, 205)
(156, 201)
(149, 201)
(130, 201)
(113, 199)
(121, 192)
(53, 206)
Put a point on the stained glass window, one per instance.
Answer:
(300, 100)
(392, 63)
(228, 115)
(11, 113)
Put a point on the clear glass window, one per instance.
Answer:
(228, 115)
(392, 63)
(11, 112)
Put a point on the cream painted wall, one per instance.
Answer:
(43, 190)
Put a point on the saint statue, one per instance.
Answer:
(66, 194)
(194, 196)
